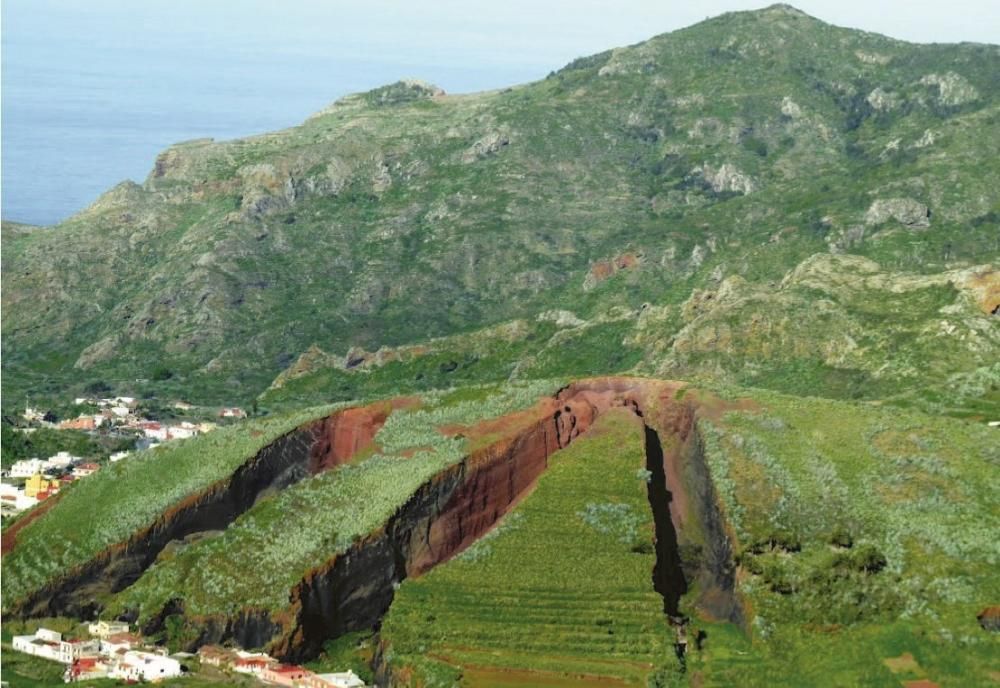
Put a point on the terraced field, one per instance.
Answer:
(560, 594)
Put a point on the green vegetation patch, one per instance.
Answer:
(562, 587)
(864, 531)
(124, 497)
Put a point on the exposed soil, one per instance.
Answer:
(344, 435)
(9, 537)
(989, 619)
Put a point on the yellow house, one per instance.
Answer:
(37, 483)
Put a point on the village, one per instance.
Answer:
(113, 651)
(30, 481)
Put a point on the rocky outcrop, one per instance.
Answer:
(951, 89)
(726, 177)
(603, 269)
(882, 100)
(906, 211)
(342, 436)
(488, 145)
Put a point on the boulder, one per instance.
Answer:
(906, 211)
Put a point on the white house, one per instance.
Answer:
(50, 645)
(61, 460)
(232, 412)
(154, 430)
(136, 665)
(18, 501)
(86, 669)
(252, 662)
(13, 499)
(118, 456)
(44, 643)
(342, 679)
(33, 415)
(26, 468)
(120, 642)
(179, 432)
(85, 469)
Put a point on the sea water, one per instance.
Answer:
(93, 91)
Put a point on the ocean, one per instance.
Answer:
(88, 103)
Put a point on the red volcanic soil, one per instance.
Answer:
(9, 537)
(989, 619)
(603, 269)
(348, 433)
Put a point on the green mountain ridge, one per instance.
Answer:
(728, 153)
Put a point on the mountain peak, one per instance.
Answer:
(784, 8)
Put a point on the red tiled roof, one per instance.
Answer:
(290, 669)
(251, 661)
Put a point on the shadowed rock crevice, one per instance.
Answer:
(668, 576)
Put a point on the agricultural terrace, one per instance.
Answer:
(560, 593)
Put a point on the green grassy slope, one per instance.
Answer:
(560, 590)
(282, 537)
(866, 534)
(124, 497)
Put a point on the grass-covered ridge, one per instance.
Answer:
(282, 537)
(864, 541)
(110, 506)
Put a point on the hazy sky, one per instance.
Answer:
(473, 44)
(92, 89)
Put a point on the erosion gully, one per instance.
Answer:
(353, 591)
